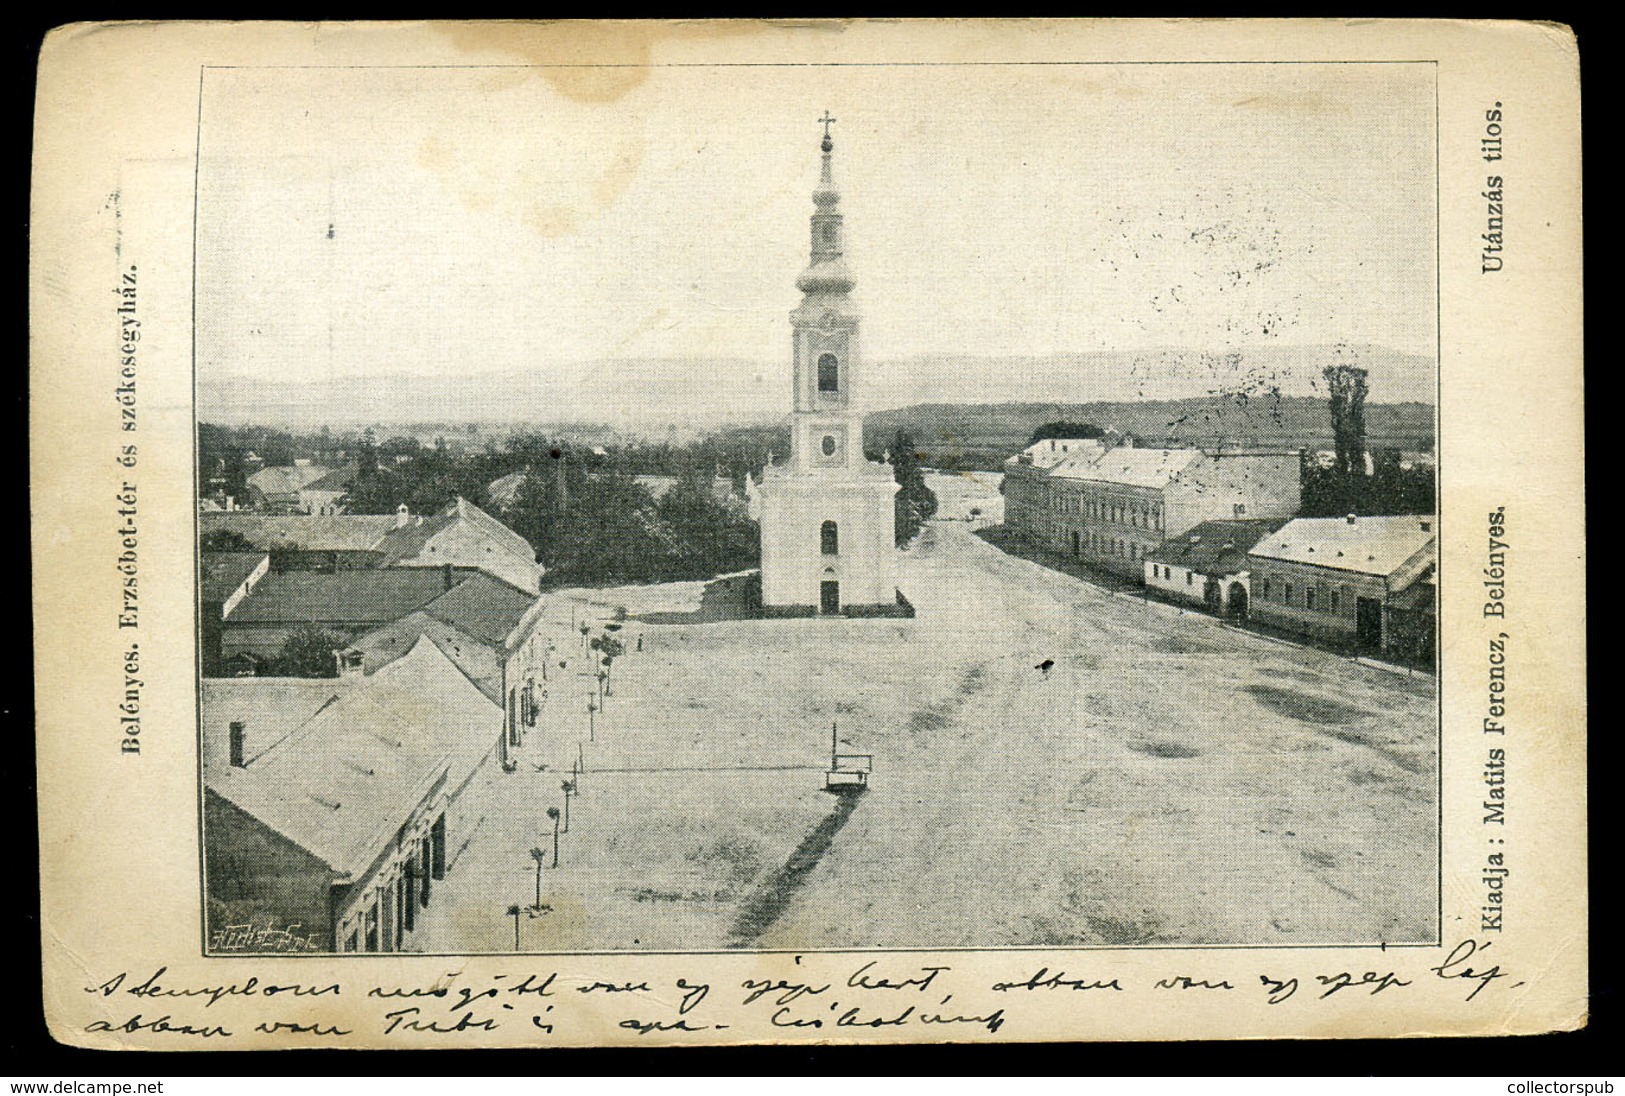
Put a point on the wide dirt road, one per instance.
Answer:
(1168, 780)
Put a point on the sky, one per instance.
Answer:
(361, 223)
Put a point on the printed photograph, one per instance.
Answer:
(817, 507)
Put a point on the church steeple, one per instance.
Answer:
(827, 514)
(826, 273)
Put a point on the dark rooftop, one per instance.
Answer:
(1214, 547)
(221, 573)
(343, 597)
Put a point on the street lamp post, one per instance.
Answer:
(569, 788)
(592, 722)
(553, 813)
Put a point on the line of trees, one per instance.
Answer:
(600, 525)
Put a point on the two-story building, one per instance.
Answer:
(1115, 508)
(1027, 499)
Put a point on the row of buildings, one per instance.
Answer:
(333, 804)
(1219, 529)
(303, 487)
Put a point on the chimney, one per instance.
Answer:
(1350, 519)
(446, 578)
(231, 503)
(403, 516)
(350, 662)
(239, 732)
(1427, 527)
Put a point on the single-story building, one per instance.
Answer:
(1343, 580)
(1207, 565)
(333, 805)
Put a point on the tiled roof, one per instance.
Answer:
(342, 784)
(1214, 547)
(1127, 467)
(221, 573)
(286, 479)
(480, 662)
(408, 541)
(340, 479)
(504, 490)
(484, 607)
(357, 597)
(269, 708)
(1368, 545)
(327, 533)
(505, 536)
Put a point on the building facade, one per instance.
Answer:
(1207, 565)
(1113, 508)
(827, 515)
(333, 806)
(461, 535)
(1358, 582)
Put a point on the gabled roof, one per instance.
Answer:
(311, 533)
(1052, 451)
(339, 479)
(220, 574)
(467, 511)
(1367, 545)
(408, 541)
(479, 661)
(356, 597)
(1214, 547)
(484, 607)
(342, 784)
(1125, 467)
(505, 489)
(286, 479)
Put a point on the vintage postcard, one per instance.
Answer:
(703, 533)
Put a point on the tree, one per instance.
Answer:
(915, 503)
(308, 652)
(225, 540)
(1346, 386)
(710, 536)
(1064, 429)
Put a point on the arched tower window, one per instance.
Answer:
(829, 539)
(829, 373)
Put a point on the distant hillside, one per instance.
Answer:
(657, 397)
(976, 435)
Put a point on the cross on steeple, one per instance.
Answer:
(827, 120)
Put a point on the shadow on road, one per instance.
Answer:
(772, 895)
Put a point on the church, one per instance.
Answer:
(828, 532)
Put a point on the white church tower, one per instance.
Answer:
(828, 541)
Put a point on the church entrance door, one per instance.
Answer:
(829, 597)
